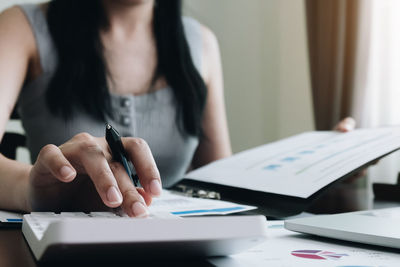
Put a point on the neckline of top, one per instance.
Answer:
(148, 94)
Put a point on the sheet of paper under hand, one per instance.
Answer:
(7, 217)
(166, 205)
(187, 206)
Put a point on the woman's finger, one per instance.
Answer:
(89, 155)
(51, 159)
(146, 168)
(147, 197)
(134, 204)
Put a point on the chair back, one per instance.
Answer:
(11, 141)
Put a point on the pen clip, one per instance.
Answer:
(190, 191)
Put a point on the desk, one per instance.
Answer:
(13, 249)
(15, 252)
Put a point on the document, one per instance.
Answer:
(303, 164)
(168, 203)
(7, 217)
(187, 206)
(286, 248)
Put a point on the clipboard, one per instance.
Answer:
(358, 149)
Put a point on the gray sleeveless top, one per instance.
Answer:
(150, 116)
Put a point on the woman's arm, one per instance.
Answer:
(17, 47)
(215, 144)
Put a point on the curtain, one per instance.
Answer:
(333, 28)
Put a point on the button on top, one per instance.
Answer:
(125, 120)
(125, 102)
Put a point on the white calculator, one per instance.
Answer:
(97, 235)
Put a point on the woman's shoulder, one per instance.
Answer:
(207, 43)
(14, 17)
(13, 12)
(204, 41)
(193, 25)
(15, 29)
(20, 19)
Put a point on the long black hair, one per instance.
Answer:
(80, 79)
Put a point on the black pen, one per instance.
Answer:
(118, 152)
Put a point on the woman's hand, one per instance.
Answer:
(346, 125)
(80, 176)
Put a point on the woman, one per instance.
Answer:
(137, 64)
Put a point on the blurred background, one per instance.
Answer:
(298, 65)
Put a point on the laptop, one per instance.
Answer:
(375, 227)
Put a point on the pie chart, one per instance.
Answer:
(317, 254)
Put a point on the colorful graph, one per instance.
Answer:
(287, 160)
(317, 254)
(290, 159)
(307, 152)
(272, 167)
